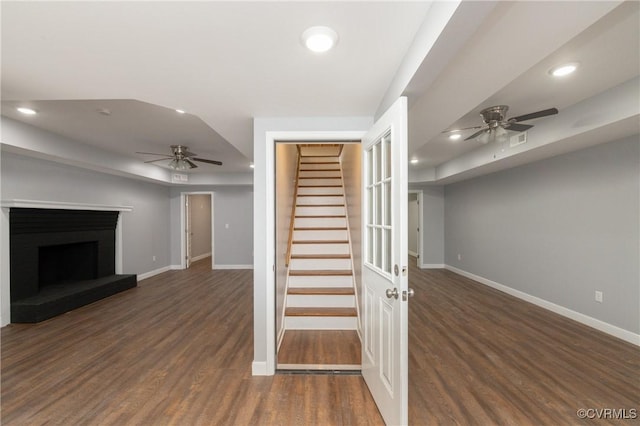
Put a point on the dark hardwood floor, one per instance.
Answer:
(480, 356)
(320, 348)
(168, 352)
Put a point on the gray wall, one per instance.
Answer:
(145, 229)
(558, 229)
(352, 174)
(232, 205)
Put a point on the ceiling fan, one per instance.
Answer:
(181, 158)
(496, 124)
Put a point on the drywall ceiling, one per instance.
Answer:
(225, 63)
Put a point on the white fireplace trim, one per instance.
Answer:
(5, 273)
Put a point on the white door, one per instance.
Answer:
(384, 269)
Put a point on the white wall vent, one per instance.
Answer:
(518, 139)
(177, 177)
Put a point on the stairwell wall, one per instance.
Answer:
(352, 174)
(286, 167)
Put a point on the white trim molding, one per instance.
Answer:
(610, 329)
(153, 273)
(233, 267)
(36, 204)
(432, 266)
(200, 257)
(259, 368)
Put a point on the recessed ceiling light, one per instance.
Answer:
(455, 136)
(252, 165)
(179, 111)
(414, 161)
(319, 39)
(562, 70)
(27, 111)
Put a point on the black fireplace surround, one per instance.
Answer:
(61, 260)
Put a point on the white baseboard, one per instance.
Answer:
(432, 266)
(200, 257)
(613, 330)
(259, 368)
(412, 253)
(232, 266)
(155, 272)
(175, 267)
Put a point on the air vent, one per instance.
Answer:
(518, 139)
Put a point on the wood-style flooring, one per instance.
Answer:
(178, 350)
(320, 349)
(480, 356)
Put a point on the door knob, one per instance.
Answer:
(407, 294)
(392, 293)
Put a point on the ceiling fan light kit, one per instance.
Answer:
(180, 159)
(496, 125)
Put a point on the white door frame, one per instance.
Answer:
(183, 250)
(420, 223)
(271, 137)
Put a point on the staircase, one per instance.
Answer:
(320, 291)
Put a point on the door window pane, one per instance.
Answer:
(387, 251)
(387, 203)
(387, 155)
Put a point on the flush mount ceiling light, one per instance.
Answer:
(179, 111)
(319, 39)
(252, 166)
(455, 136)
(414, 161)
(26, 111)
(564, 69)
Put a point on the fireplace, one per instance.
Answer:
(61, 260)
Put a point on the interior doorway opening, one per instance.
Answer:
(197, 228)
(317, 192)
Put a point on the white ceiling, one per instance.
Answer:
(227, 62)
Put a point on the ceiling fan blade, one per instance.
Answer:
(191, 164)
(159, 159)
(154, 153)
(538, 114)
(204, 160)
(476, 134)
(518, 127)
(465, 128)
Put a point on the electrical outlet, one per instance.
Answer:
(153, 258)
(599, 296)
(459, 256)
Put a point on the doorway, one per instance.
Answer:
(197, 228)
(414, 225)
(314, 277)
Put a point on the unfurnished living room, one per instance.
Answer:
(320, 213)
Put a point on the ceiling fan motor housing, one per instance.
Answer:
(495, 114)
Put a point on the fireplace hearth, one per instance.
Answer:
(61, 260)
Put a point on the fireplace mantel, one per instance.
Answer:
(6, 205)
(37, 204)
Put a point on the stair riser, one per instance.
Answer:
(310, 159)
(320, 249)
(325, 282)
(320, 301)
(319, 235)
(328, 222)
(320, 174)
(315, 201)
(319, 264)
(312, 150)
(312, 166)
(320, 323)
(320, 190)
(319, 211)
(320, 182)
